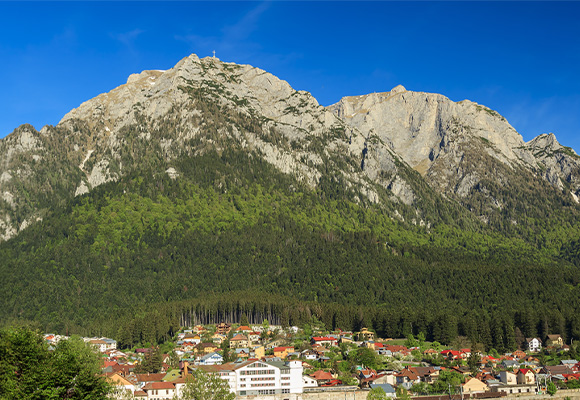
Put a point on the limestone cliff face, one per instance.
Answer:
(371, 143)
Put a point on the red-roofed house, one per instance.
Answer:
(526, 377)
(452, 354)
(324, 341)
(282, 351)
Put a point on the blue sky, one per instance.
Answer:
(519, 58)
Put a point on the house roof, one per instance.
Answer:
(387, 387)
(321, 375)
(159, 385)
(150, 377)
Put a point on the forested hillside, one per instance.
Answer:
(137, 258)
(213, 190)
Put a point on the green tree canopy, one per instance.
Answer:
(201, 385)
(28, 370)
(377, 394)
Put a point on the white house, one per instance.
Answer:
(509, 378)
(211, 359)
(534, 344)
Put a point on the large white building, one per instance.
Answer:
(254, 377)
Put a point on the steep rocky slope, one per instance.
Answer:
(368, 145)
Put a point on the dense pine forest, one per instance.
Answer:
(138, 258)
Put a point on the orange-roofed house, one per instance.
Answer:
(244, 329)
(518, 354)
(322, 377)
(238, 341)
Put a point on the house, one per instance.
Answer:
(387, 388)
(98, 344)
(308, 381)
(242, 353)
(345, 339)
(510, 364)
(407, 376)
(365, 335)
(554, 341)
(309, 355)
(238, 341)
(321, 377)
(211, 359)
(557, 370)
(525, 377)
(192, 338)
(253, 337)
(244, 329)
(282, 351)
(518, 354)
(534, 344)
(218, 338)
(223, 328)
(205, 348)
(512, 389)
(258, 351)
(324, 341)
(452, 354)
(509, 378)
(473, 386)
(143, 379)
(425, 374)
(159, 390)
(120, 382)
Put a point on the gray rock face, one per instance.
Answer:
(372, 142)
(559, 163)
(437, 137)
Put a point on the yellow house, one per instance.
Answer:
(239, 341)
(474, 385)
(555, 341)
(259, 351)
(366, 334)
(282, 351)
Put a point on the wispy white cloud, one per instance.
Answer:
(234, 40)
(128, 38)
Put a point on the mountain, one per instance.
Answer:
(198, 178)
(372, 142)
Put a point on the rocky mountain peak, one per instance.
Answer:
(370, 142)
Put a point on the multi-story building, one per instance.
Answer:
(254, 377)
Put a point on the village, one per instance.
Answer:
(263, 361)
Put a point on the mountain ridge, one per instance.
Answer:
(368, 140)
